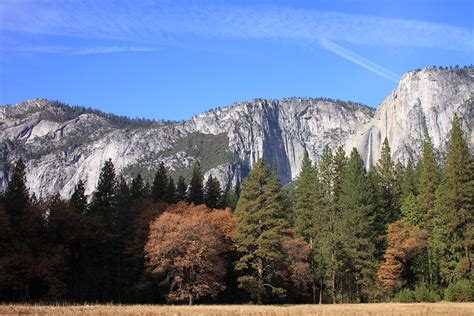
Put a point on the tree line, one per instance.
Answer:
(343, 234)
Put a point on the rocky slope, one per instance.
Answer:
(64, 144)
(424, 100)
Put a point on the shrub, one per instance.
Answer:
(461, 291)
(405, 296)
(424, 294)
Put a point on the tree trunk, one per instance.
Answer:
(321, 292)
(312, 266)
(260, 286)
(333, 287)
(314, 291)
(191, 299)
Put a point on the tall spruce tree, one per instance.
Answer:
(429, 177)
(79, 199)
(170, 194)
(358, 236)
(16, 195)
(409, 183)
(160, 183)
(340, 162)
(196, 192)
(262, 224)
(386, 170)
(306, 191)
(212, 192)
(325, 229)
(459, 205)
(101, 227)
(103, 197)
(137, 189)
(306, 201)
(181, 189)
(428, 172)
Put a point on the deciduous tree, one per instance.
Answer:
(186, 247)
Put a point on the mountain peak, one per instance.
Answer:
(64, 144)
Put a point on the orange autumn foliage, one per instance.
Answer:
(299, 274)
(185, 247)
(404, 243)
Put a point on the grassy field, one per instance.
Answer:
(452, 309)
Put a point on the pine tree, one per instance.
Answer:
(181, 189)
(212, 193)
(137, 189)
(425, 266)
(340, 162)
(79, 199)
(380, 204)
(237, 188)
(16, 195)
(196, 194)
(428, 182)
(409, 182)
(307, 198)
(386, 170)
(459, 203)
(159, 184)
(102, 199)
(397, 188)
(262, 225)
(325, 229)
(357, 207)
(170, 194)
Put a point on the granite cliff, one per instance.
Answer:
(64, 144)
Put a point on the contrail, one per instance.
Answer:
(361, 61)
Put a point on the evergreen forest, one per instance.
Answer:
(340, 234)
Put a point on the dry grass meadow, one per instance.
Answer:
(443, 308)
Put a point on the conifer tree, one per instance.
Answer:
(137, 189)
(170, 194)
(123, 195)
(306, 200)
(79, 199)
(196, 194)
(386, 170)
(16, 195)
(238, 188)
(181, 189)
(325, 229)
(212, 193)
(380, 204)
(409, 182)
(101, 226)
(459, 205)
(160, 183)
(306, 190)
(357, 207)
(262, 225)
(102, 199)
(428, 182)
(340, 162)
(426, 264)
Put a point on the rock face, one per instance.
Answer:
(63, 144)
(424, 100)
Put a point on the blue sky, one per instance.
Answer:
(172, 59)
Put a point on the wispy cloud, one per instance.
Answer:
(84, 50)
(359, 60)
(154, 22)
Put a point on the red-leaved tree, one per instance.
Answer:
(404, 243)
(186, 247)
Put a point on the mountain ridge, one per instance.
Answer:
(231, 139)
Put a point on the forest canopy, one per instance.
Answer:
(341, 234)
